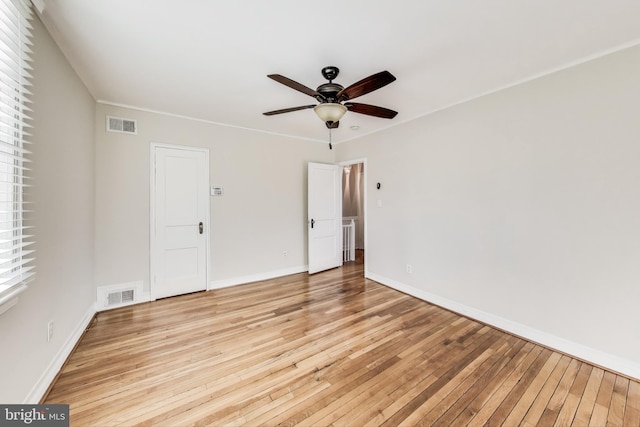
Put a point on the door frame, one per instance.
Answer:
(364, 204)
(153, 257)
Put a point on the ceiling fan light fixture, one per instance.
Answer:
(330, 111)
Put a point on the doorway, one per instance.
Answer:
(353, 210)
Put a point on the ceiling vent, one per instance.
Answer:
(118, 124)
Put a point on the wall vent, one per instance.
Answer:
(119, 295)
(118, 124)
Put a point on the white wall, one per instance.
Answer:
(261, 214)
(63, 166)
(521, 208)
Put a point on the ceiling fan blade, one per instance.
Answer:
(295, 85)
(366, 85)
(370, 110)
(332, 125)
(288, 110)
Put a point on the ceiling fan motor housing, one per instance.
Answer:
(329, 91)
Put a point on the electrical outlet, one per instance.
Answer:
(49, 330)
(409, 269)
(284, 253)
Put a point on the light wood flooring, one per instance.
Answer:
(328, 349)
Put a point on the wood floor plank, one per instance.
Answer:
(446, 397)
(603, 401)
(377, 399)
(532, 390)
(519, 389)
(463, 409)
(632, 410)
(333, 348)
(572, 400)
(618, 402)
(401, 396)
(483, 396)
(413, 409)
(543, 398)
(552, 410)
(588, 398)
(499, 396)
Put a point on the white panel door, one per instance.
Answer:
(180, 227)
(325, 216)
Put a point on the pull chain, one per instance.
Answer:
(330, 146)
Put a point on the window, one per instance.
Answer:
(16, 258)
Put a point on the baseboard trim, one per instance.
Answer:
(596, 357)
(44, 382)
(241, 280)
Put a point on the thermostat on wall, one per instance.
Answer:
(216, 191)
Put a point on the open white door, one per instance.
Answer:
(325, 216)
(179, 220)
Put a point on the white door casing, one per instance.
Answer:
(179, 220)
(324, 216)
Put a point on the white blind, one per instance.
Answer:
(15, 255)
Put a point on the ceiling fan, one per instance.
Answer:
(334, 99)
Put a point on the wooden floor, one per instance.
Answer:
(330, 349)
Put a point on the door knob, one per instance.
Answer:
(201, 227)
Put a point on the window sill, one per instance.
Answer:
(9, 298)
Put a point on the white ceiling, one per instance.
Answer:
(208, 59)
